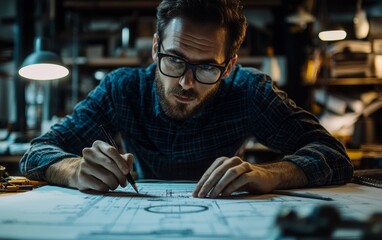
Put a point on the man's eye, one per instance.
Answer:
(175, 60)
(206, 67)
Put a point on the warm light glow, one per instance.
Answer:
(43, 71)
(361, 25)
(333, 35)
(378, 65)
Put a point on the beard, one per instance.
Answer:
(181, 111)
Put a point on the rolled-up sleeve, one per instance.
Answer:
(38, 157)
(298, 135)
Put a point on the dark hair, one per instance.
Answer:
(223, 13)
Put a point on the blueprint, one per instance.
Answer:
(162, 210)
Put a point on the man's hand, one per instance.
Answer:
(101, 168)
(227, 175)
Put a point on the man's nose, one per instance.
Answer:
(187, 81)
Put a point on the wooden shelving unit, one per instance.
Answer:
(348, 81)
(104, 62)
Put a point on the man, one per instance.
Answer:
(186, 115)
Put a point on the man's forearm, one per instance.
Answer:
(289, 174)
(63, 172)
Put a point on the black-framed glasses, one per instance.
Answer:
(174, 66)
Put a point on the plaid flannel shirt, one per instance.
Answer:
(247, 104)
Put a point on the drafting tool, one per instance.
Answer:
(19, 180)
(18, 183)
(303, 195)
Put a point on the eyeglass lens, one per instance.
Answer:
(176, 67)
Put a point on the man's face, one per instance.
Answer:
(183, 96)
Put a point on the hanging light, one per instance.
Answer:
(301, 17)
(42, 64)
(361, 25)
(329, 32)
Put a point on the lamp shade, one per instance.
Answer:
(43, 65)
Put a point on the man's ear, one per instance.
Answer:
(154, 49)
(230, 65)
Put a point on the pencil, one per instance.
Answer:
(110, 140)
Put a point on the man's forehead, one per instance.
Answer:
(184, 35)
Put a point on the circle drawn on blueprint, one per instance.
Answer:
(176, 209)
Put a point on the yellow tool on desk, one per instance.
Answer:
(17, 183)
(17, 180)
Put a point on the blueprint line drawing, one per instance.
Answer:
(163, 210)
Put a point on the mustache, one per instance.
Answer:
(183, 93)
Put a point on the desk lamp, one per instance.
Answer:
(42, 65)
